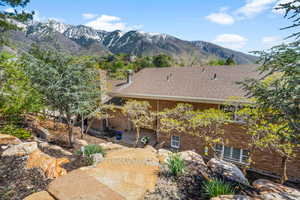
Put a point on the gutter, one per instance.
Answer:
(178, 98)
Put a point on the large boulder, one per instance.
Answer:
(227, 170)
(97, 158)
(50, 165)
(191, 157)
(270, 191)
(151, 148)
(126, 173)
(21, 149)
(195, 163)
(109, 146)
(9, 140)
(163, 155)
(45, 145)
(78, 185)
(233, 197)
(43, 195)
(42, 132)
(80, 143)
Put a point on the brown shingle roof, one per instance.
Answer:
(209, 82)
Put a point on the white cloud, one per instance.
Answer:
(270, 41)
(135, 27)
(56, 19)
(107, 23)
(110, 23)
(37, 17)
(9, 10)
(232, 41)
(221, 18)
(89, 16)
(254, 7)
(282, 11)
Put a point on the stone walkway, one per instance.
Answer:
(125, 173)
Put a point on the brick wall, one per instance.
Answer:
(234, 135)
(265, 161)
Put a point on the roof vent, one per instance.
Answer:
(214, 76)
(129, 76)
(169, 76)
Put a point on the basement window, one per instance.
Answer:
(232, 154)
(175, 141)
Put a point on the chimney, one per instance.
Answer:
(103, 83)
(129, 76)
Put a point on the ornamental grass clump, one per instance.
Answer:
(216, 188)
(176, 164)
(91, 149)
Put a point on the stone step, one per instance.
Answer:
(78, 185)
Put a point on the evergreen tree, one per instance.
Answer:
(292, 11)
(17, 96)
(279, 89)
(69, 85)
(9, 20)
(162, 60)
(230, 60)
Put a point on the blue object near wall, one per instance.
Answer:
(119, 135)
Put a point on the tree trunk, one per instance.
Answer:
(82, 127)
(54, 124)
(89, 125)
(246, 167)
(283, 167)
(70, 131)
(137, 136)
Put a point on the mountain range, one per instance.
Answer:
(84, 40)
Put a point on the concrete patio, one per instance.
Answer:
(128, 137)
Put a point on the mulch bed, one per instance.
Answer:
(17, 182)
(76, 161)
(188, 186)
(184, 187)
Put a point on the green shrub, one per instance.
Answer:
(176, 164)
(91, 149)
(13, 130)
(216, 188)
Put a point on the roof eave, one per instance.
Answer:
(179, 98)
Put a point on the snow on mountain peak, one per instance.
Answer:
(153, 34)
(57, 26)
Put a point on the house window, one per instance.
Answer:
(232, 110)
(232, 154)
(175, 142)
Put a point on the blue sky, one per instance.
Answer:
(243, 25)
